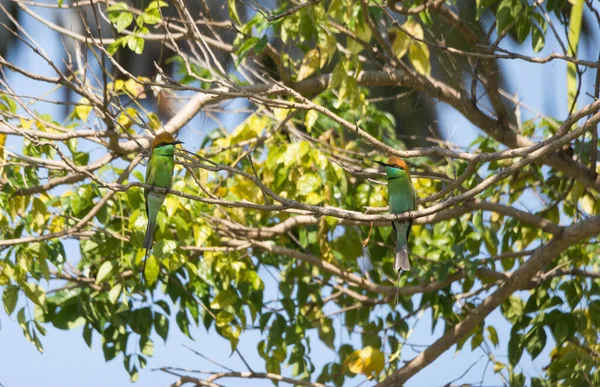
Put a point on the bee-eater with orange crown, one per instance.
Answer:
(401, 198)
(159, 173)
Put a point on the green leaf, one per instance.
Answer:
(10, 106)
(105, 271)
(183, 323)
(155, 4)
(262, 43)
(536, 341)
(87, 335)
(161, 325)
(493, 335)
(151, 18)
(523, 27)
(69, 317)
(10, 296)
(123, 21)
(146, 346)
(482, 6)
(338, 76)
(233, 13)
(560, 331)
(165, 248)
(515, 348)
(114, 293)
(136, 44)
(81, 158)
(245, 48)
(120, 6)
(504, 15)
(35, 293)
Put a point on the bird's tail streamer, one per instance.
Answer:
(144, 264)
(401, 263)
(149, 234)
(397, 289)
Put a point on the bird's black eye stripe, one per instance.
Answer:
(162, 144)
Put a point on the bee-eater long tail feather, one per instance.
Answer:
(149, 234)
(401, 262)
(398, 288)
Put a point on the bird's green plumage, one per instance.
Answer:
(400, 190)
(401, 198)
(159, 173)
(160, 167)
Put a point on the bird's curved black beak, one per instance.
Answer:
(176, 142)
(382, 163)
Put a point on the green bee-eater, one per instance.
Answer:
(401, 198)
(159, 173)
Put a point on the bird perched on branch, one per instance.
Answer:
(159, 173)
(401, 198)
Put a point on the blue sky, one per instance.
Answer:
(67, 361)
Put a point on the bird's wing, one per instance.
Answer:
(150, 177)
(412, 208)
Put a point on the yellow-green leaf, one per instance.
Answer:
(172, 204)
(587, 204)
(308, 183)
(574, 31)
(493, 335)
(400, 44)
(134, 88)
(2, 142)
(83, 109)
(364, 33)
(201, 234)
(311, 118)
(419, 57)
(39, 212)
(498, 367)
(114, 293)
(35, 293)
(310, 64)
(327, 48)
(366, 361)
(151, 270)
(224, 299)
(224, 318)
(414, 29)
(313, 198)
